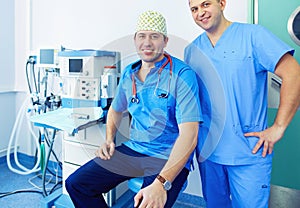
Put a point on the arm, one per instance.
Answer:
(289, 71)
(106, 150)
(155, 195)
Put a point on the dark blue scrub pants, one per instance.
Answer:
(87, 184)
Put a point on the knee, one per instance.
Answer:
(70, 182)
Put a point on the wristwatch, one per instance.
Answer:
(166, 184)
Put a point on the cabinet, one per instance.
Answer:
(285, 170)
(80, 148)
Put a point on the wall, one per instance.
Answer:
(92, 24)
(7, 118)
(7, 96)
(7, 45)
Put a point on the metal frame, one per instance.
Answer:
(255, 11)
(290, 26)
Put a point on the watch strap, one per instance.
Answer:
(161, 179)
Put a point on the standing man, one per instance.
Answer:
(237, 172)
(161, 94)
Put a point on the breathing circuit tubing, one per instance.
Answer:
(17, 128)
(16, 134)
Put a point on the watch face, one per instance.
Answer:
(167, 185)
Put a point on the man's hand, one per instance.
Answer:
(267, 139)
(106, 150)
(154, 196)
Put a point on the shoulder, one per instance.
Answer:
(199, 38)
(249, 28)
(179, 65)
(199, 42)
(177, 60)
(130, 68)
(182, 69)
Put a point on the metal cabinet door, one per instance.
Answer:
(274, 15)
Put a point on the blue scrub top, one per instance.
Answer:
(234, 74)
(154, 123)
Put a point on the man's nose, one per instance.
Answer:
(201, 12)
(148, 39)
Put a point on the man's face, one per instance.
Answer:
(207, 13)
(150, 45)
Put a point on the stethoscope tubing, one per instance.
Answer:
(134, 98)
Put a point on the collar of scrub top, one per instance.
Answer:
(135, 99)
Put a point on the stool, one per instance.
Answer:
(135, 184)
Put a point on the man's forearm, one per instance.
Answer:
(113, 122)
(289, 71)
(181, 151)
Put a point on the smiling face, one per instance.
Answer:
(208, 14)
(150, 45)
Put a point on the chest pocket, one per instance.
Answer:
(155, 101)
(152, 115)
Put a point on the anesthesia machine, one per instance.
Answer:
(89, 79)
(76, 106)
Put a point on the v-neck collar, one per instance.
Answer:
(223, 36)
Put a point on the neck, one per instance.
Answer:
(216, 34)
(147, 65)
(144, 70)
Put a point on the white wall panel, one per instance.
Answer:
(94, 23)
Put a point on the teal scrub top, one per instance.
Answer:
(154, 123)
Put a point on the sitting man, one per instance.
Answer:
(161, 94)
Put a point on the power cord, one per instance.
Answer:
(2, 195)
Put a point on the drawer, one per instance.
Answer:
(78, 153)
(68, 169)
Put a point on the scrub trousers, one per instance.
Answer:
(236, 186)
(87, 184)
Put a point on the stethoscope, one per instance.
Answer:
(135, 99)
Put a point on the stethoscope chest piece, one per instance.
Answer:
(134, 99)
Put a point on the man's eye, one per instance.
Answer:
(193, 9)
(205, 5)
(141, 37)
(154, 37)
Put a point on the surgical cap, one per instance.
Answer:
(153, 21)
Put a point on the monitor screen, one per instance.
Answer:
(75, 65)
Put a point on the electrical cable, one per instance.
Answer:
(19, 191)
(46, 85)
(39, 81)
(46, 163)
(53, 153)
(55, 187)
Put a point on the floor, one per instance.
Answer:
(22, 191)
(282, 197)
(25, 191)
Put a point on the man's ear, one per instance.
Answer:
(166, 39)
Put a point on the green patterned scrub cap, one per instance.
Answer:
(151, 20)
